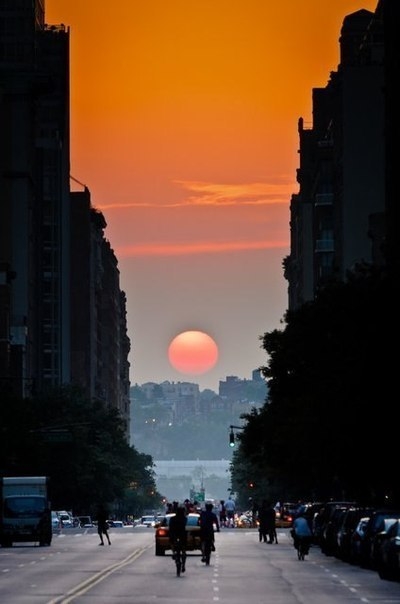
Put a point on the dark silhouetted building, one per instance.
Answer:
(62, 313)
(338, 217)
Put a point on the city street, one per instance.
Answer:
(75, 569)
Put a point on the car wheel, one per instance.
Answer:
(160, 551)
(387, 574)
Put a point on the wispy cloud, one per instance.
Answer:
(219, 194)
(190, 248)
(257, 193)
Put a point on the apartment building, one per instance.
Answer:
(338, 216)
(62, 313)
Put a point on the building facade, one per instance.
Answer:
(62, 313)
(338, 217)
(34, 209)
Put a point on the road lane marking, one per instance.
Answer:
(85, 586)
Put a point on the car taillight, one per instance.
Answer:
(162, 532)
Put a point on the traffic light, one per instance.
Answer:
(232, 439)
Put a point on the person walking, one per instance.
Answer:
(267, 520)
(102, 525)
(222, 513)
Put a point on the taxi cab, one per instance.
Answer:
(162, 533)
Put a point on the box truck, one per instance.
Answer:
(25, 510)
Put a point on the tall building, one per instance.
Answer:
(99, 342)
(62, 313)
(34, 209)
(337, 219)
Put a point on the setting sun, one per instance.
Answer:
(193, 352)
(184, 127)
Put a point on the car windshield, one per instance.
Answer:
(192, 520)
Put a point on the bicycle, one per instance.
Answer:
(302, 545)
(179, 556)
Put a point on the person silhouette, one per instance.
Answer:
(102, 524)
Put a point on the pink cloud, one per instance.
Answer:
(211, 247)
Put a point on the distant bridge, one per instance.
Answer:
(173, 468)
(175, 479)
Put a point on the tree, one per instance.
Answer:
(330, 374)
(80, 445)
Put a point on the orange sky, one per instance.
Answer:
(184, 128)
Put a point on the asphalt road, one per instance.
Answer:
(75, 569)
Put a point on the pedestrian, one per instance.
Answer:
(169, 508)
(222, 513)
(267, 523)
(254, 512)
(102, 524)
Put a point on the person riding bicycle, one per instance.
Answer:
(208, 520)
(301, 531)
(230, 509)
(178, 535)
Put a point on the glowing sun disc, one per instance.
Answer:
(193, 352)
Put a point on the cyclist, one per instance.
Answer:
(230, 509)
(301, 531)
(208, 520)
(178, 538)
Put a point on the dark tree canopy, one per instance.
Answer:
(80, 445)
(330, 378)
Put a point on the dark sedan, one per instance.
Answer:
(389, 559)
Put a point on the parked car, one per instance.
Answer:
(345, 530)
(328, 539)
(388, 566)
(376, 542)
(356, 539)
(327, 522)
(162, 534)
(375, 525)
(322, 521)
(311, 512)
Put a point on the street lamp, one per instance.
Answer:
(232, 434)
